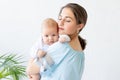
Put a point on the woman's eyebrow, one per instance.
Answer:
(68, 17)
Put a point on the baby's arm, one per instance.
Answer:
(44, 60)
(32, 67)
(64, 38)
(40, 53)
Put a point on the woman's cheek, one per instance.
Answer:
(70, 31)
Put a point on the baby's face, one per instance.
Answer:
(50, 35)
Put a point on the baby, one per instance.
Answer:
(38, 52)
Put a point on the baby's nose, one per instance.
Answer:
(50, 38)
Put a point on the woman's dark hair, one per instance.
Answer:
(80, 16)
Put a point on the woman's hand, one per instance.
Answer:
(34, 77)
(32, 67)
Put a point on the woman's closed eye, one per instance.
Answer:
(67, 20)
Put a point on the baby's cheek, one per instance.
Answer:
(56, 39)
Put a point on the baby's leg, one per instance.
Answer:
(64, 38)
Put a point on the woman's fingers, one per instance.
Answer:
(29, 76)
(33, 68)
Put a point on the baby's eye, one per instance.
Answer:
(53, 35)
(46, 35)
(59, 18)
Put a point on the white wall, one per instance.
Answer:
(20, 27)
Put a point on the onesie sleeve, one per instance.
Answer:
(35, 47)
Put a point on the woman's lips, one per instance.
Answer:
(61, 29)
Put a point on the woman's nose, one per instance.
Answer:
(61, 22)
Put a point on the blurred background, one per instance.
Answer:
(20, 22)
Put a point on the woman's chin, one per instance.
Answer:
(60, 32)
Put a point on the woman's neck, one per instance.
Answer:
(75, 44)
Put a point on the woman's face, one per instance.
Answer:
(67, 22)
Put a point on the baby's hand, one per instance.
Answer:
(41, 53)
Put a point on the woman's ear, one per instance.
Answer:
(80, 26)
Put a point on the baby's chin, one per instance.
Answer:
(50, 43)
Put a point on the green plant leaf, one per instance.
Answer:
(11, 65)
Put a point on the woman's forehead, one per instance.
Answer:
(67, 13)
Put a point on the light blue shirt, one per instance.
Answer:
(69, 64)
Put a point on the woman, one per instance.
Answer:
(68, 57)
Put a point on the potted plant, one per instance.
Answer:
(11, 67)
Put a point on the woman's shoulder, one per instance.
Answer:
(79, 51)
(63, 47)
(58, 45)
(76, 46)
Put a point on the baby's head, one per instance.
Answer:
(49, 31)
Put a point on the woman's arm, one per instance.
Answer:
(32, 67)
(33, 70)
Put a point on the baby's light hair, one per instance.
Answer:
(49, 22)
